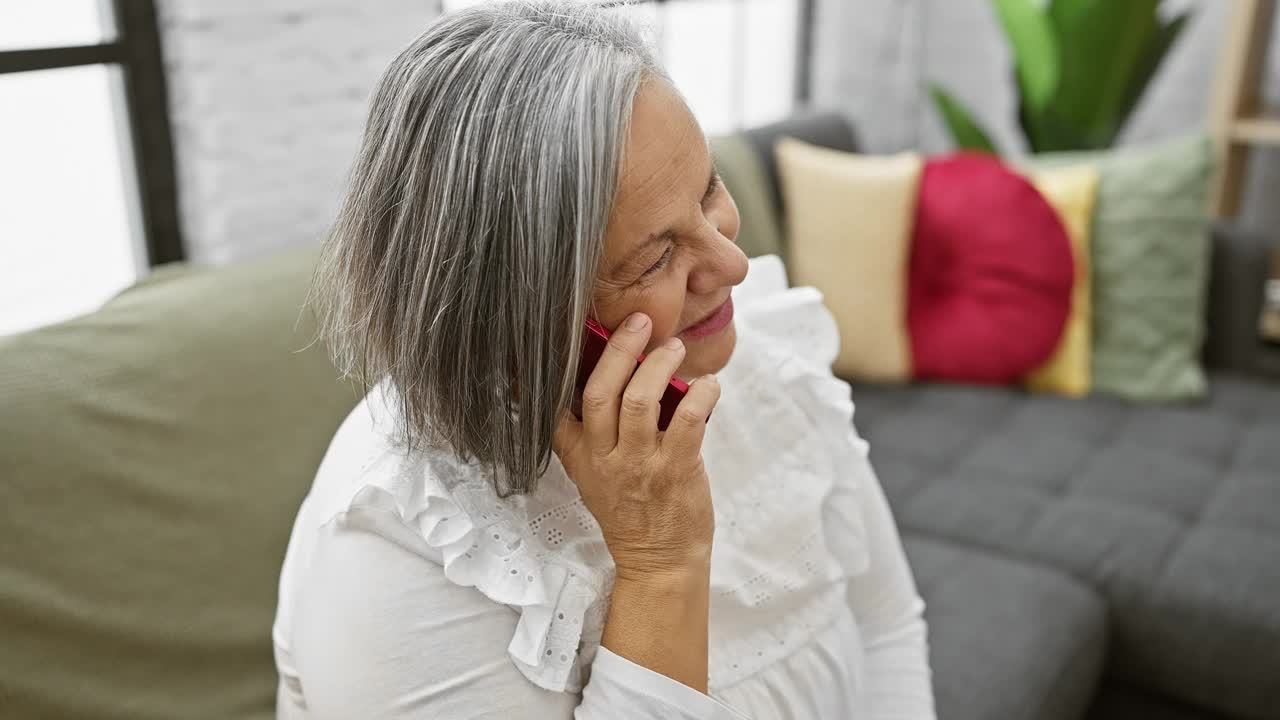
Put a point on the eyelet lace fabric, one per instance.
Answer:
(541, 554)
(774, 450)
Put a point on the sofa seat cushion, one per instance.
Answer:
(1172, 512)
(1007, 639)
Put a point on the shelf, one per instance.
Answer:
(1262, 129)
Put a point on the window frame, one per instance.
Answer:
(136, 51)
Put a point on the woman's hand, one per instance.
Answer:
(649, 492)
(647, 489)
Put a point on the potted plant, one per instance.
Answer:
(1081, 66)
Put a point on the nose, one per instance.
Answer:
(723, 264)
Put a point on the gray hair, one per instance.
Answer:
(461, 263)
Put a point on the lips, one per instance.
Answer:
(713, 323)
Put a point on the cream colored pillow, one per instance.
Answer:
(848, 233)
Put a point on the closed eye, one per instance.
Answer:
(661, 263)
(711, 187)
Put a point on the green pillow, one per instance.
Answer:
(152, 458)
(1150, 256)
(744, 176)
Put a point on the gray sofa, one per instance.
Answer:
(1080, 559)
(1092, 558)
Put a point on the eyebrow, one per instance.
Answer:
(669, 234)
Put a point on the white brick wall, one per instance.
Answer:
(267, 102)
(268, 97)
(875, 58)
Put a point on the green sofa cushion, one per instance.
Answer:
(1150, 255)
(152, 457)
(761, 231)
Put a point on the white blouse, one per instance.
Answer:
(410, 590)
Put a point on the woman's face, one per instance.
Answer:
(669, 249)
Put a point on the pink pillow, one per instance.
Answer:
(989, 286)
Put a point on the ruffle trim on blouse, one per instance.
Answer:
(832, 407)
(797, 320)
(793, 418)
(560, 599)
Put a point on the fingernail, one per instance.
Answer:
(674, 343)
(637, 321)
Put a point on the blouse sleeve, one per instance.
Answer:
(890, 614)
(380, 632)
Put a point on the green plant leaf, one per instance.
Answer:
(1070, 11)
(965, 131)
(1100, 44)
(1036, 127)
(1047, 132)
(1159, 44)
(1035, 50)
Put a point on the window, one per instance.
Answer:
(740, 63)
(86, 182)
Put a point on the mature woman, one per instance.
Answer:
(470, 548)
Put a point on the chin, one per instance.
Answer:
(709, 355)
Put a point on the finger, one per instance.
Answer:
(642, 400)
(567, 438)
(603, 392)
(683, 437)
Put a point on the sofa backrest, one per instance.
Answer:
(817, 127)
(152, 457)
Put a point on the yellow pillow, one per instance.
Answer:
(848, 233)
(1071, 192)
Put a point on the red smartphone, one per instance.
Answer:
(595, 337)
